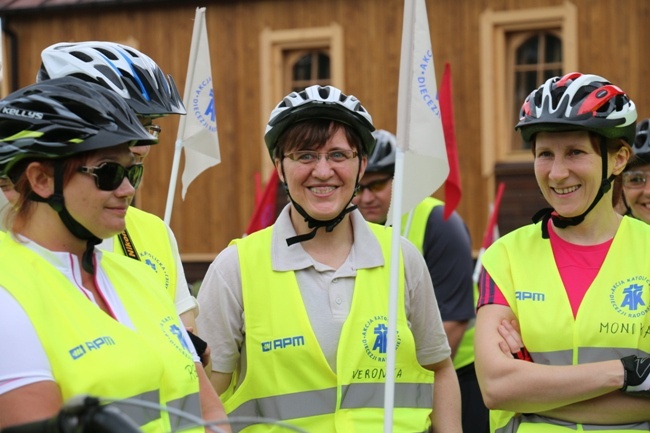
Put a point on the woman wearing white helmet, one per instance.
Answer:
(298, 311)
(151, 94)
(561, 340)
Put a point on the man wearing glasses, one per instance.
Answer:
(636, 190)
(447, 250)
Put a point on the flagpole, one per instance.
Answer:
(194, 49)
(172, 180)
(403, 115)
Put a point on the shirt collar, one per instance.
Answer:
(366, 251)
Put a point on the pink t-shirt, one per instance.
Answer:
(578, 266)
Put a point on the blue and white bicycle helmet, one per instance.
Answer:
(125, 70)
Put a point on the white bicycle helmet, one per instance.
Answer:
(125, 70)
(319, 102)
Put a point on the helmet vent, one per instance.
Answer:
(108, 54)
(81, 56)
(106, 72)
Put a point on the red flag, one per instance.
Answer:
(452, 183)
(264, 213)
(491, 229)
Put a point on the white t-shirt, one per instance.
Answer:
(23, 359)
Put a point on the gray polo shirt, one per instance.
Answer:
(326, 292)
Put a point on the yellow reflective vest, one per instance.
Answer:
(288, 377)
(146, 239)
(90, 353)
(465, 351)
(613, 320)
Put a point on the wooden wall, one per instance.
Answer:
(219, 203)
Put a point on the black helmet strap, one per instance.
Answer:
(313, 223)
(57, 202)
(561, 222)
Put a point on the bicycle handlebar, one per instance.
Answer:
(87, 416)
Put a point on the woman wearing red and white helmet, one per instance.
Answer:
(562, 322)
(298, 312)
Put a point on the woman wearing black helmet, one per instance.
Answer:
(151, 94)
(74, 320)
(304, 302)
(561, 342)
(636, 191)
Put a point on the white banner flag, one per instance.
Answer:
(419, 125)
(198, 129)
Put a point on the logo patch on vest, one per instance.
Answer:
(374, 337)
(283, 343)
(174, 334)
(88, 346)
(628, 297)
(154, 263)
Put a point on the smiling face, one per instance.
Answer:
(322, 187)
(637, 191)
(373, 198)
(101, 212)
(568, 170)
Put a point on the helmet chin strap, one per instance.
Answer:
(313, 223)
(563, 222)
(57, 202)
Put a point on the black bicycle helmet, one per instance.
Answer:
(62, 117)
(641, 147)
(319, 102)
(57, 118)
(125, 70)
(382, 158)
(578, 102)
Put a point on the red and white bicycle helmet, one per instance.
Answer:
(319, 102)
(125, 70)
(578, 101)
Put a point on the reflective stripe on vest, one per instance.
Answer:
(612, 321)
(323, 402)
(303, 390)
(416, 231)
(189, 405)
(90, 353)
(141, 415)
(532, 422)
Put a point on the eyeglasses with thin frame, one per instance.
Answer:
(109, 175)
(154, 130)
(6, 184)
(337, 156)
(635, 179)
(375, 185)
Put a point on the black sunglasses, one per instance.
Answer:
(109, 175)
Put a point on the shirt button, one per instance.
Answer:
(338, 301)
